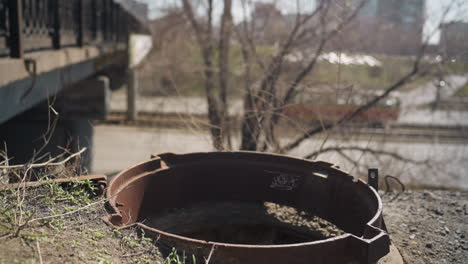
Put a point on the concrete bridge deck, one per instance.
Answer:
(64, 53)
(46, 46)
(26, 82)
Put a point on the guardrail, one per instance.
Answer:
(32, 25)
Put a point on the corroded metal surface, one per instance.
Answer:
(319, 188)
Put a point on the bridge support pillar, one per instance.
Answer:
(76, 107)
(23, 136)
(132, 94)
(88, 99)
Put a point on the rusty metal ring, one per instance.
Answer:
(320, 188)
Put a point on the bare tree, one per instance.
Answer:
(269, 84)
(205, 39)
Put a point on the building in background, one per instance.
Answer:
(388, 26)
(454, 39)
(137, 8)
(393, 27)
(269, 24)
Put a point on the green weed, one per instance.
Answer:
(463, 91)
(174, 258)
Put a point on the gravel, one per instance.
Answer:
(429, 226)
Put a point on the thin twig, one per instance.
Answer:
(68, 213)
(364, 150)
(388, 188)
(39, 252)
(211, 254)
(134, 254)
(49, 163)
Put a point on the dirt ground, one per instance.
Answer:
(81, 239)
(429, 227)
(63, 224)
(426, 226)
(244, 223)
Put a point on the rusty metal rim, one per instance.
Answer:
(241, 245)
(379, 237)
(344, 236)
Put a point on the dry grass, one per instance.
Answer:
(62, 224)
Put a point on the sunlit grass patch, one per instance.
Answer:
(462, 91)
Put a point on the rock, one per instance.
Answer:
(428, 245)
(438, 212)
(429, 195)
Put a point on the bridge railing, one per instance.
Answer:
(32, 25)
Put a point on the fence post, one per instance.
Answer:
(81, 23)
(56, 25)
(107, 20)
(94, 21)
(132, 94)
(373, 178)
(16, 28)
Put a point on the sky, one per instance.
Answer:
(434, 11)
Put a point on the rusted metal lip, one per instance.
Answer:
(138, 190)
(240, 245)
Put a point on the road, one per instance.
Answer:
(413, 102)
(427, 93)
(117, 147)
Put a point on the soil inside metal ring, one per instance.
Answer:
(261, 223)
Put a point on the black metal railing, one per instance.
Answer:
(37, 24)
(31, 25)
(3, 28)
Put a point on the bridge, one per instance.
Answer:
(63, 53)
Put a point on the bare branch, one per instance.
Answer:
(102, 201)
(191, 16)
(45, 164)
(398, 84)
(266, 94)
(205, 41)
(404, 80)
(224, 67)
(368, 150)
